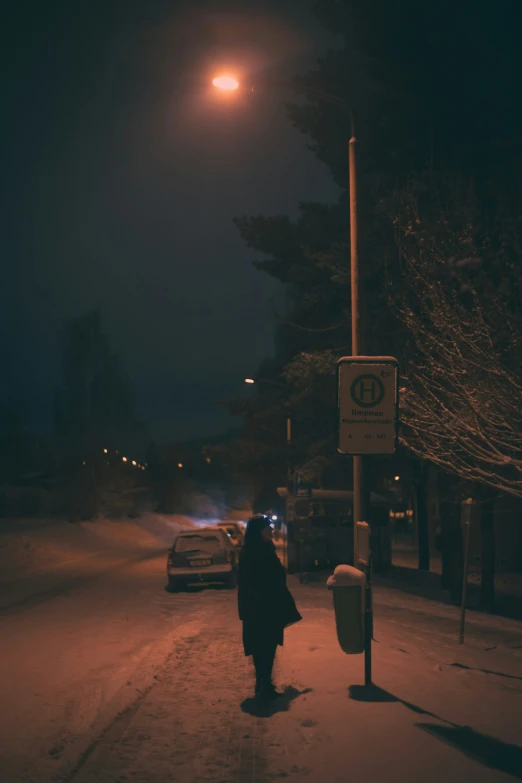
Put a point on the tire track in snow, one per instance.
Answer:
(189, 727)
(71, 752)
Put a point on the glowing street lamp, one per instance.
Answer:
(124, 459)
(180, 464)
(134, 462)
(249, 380)
(227, 83)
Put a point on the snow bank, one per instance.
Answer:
(30, 546)
(241, 515)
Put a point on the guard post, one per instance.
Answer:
(467, 514)
(364, 556)
(302, 489)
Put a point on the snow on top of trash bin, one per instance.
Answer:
(346, 575)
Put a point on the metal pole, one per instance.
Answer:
(467, 506)
(361, 510)
(289, 485)
(368, 623)
(285, 545)
(354, 259)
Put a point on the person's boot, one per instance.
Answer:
(268, 690)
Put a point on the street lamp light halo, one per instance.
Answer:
(225, 83)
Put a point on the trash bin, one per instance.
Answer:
(348, 585)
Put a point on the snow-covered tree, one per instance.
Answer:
(461, 398)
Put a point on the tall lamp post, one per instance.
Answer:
(288, 455)
(361, 495)
(288, 425)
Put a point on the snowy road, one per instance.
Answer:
(73, 657)
(114, 679)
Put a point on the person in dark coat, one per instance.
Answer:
(266, 606)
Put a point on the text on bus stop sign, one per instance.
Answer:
(368, 404)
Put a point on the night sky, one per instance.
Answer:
(122, 171)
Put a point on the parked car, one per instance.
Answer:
(202, 555)
(234, 531)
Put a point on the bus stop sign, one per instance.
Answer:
(368, 403)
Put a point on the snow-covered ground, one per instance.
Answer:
(437, 715)
(85, 621)
(44, 544)
(107, 677)
(39, 556)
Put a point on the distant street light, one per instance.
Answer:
(397, 478)
(134, 462)
(265, 380)
(124, 459)
(105, 451)
(180, 464)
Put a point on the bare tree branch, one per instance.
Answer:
(462, 396)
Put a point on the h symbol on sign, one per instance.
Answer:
(364, 390)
